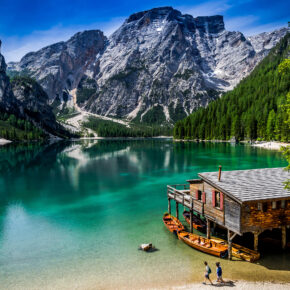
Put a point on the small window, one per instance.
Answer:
(259, 206)
(274, 204)
(217, 199)
(199, 195)
(265, 206)
(283, 203)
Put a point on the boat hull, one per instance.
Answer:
(202, 244)
(172, 223)
(239, 251)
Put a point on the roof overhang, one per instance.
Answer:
(220, 188)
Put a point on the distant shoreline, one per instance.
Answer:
(270, 145)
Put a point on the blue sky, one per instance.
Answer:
(32, 24)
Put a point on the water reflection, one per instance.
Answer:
(66, 170)
(60, 202)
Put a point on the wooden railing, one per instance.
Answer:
(181, 194)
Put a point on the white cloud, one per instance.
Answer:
(206, 9)
(14, 47)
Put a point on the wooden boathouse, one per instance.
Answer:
(239, 201)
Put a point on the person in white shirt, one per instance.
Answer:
(207, 273)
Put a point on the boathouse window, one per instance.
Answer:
(217, 199)
(283, 203)
(265, 206)
(274, 205)
(259, 206)
(199, 194)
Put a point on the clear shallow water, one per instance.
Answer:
(72, 214)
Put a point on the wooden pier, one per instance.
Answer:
(238, 201)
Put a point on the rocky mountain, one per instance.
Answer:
(59, 67)
(26, 99)
(7, 100)
(159, 65)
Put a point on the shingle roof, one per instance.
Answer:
(250, 185)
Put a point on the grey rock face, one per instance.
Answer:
(7, 101)
(33, 103)
(59, 67)
(25, 98)
(161, 57)
(157, 59)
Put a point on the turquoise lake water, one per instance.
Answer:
(72, 214)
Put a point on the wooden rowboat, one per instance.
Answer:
(239, 251)
(203, 244)
(172, 223)
(197, 222)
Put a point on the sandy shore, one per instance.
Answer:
(270, 145)
(244, 285)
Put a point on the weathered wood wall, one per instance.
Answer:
(254, 219)
(232, 215)
(206, 208)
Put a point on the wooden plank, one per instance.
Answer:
(191, 220)
(229, 245)
(284, 235)
(208, 228)
(232, 214)
(256, 241)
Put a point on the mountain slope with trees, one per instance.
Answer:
(255, 109)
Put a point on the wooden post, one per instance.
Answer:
(191, 220)
(169, 205)
(230, 239)
(256, 241)
(229, 245)
(177, 210)
(283, 229)
(213, 229)
(208, 228)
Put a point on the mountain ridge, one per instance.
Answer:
(158, 62)
(256, 108)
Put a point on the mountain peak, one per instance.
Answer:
(211, 24)
(152, 13)
(86, 34)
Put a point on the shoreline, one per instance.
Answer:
(270, 145)
(244, 285)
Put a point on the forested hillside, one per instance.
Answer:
(255, 109)
(112, 129)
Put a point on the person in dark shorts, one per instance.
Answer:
(219, 273)
(207, 273)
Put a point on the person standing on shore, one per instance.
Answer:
(219, 273)
(207, 273)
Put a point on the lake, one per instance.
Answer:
(72, 214)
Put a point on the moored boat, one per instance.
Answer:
(197, 222)
(203, 244)
(172, 223)
(239, 251)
